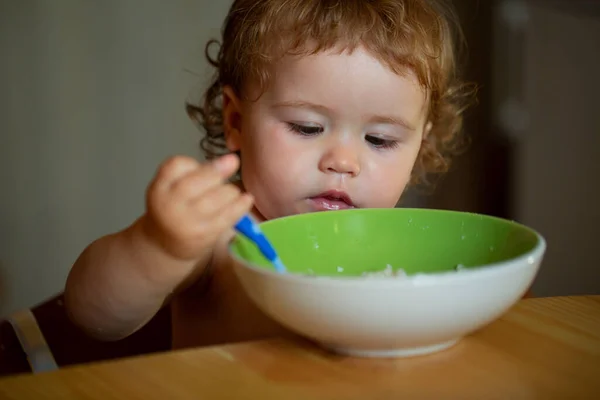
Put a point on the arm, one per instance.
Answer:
(121, 280)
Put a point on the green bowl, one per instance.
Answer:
(339, 290)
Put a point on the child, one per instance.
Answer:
(329, 104)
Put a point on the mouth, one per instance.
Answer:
(331, 201)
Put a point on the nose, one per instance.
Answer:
(340, 159)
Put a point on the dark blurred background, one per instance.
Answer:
(93, 94)
(535, 152)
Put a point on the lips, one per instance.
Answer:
(332, 200)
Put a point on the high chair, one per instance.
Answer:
(52, 341)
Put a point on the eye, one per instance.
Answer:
(305, 130)
(380, 143)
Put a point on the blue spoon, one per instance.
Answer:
(249, 228)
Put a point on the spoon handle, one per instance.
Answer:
(249, 228)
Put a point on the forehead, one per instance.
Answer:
(347, 82)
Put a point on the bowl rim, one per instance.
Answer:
(526, 260)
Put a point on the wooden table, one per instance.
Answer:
(545, 348)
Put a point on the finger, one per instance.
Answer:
(226, 165)
(228, 215)
(197, 184)
(171, 170)
(208, 176)
(214, 200)
(176, 168)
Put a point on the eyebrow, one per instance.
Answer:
(374, 119)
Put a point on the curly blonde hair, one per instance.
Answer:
(419, 35)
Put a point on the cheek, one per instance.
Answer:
(389, 187)
(389, 178)
(272, 152)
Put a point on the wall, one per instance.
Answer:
(92, 100)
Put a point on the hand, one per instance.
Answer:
(189, 205)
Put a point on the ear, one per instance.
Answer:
(427, 129)
(232, 119)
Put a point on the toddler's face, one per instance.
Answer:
(331, 131)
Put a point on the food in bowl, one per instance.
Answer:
(460, 271)
(388, 272)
